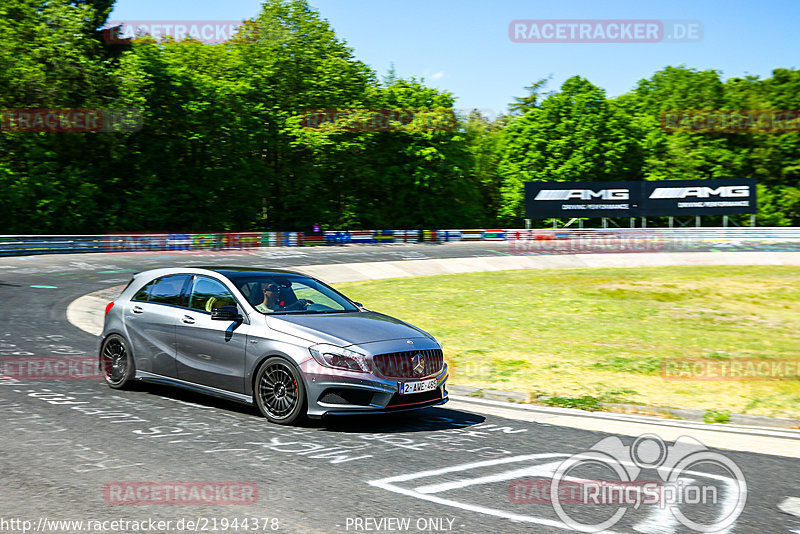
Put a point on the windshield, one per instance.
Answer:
(276, 294)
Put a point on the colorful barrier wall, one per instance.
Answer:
(15, 245)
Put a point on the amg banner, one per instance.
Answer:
(698, 197)
(544, 200)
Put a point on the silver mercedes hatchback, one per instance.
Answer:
(286, 342)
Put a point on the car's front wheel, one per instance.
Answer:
(116, 362)
(279, 391)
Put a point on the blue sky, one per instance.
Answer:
(462, 46)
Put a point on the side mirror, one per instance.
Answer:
(226, 313)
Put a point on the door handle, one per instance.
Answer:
(138, 309)
(188, 320)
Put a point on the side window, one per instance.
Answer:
(250, 291)
(167, 290)
(143, 294)
(208, 294)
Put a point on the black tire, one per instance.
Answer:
(116, 362)
(279, 392)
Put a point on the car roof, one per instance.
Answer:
(234, 273)
(231, 273)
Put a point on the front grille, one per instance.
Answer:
(407, 401)
(346, 396)
(401, 364)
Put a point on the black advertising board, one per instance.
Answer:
(544, 200)
(699, 197)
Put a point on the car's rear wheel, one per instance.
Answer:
(280, 393)
(116, 362)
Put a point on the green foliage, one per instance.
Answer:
(223, 144)
(778, 205)
(525, 103)
(574, 135)
(484, 139)
(716, 416)
(585, 402)
(578, 135)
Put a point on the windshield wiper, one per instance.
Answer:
(309, 312)
(328, 311)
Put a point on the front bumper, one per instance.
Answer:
(331, 392)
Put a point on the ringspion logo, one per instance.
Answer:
(538, 491)
(702, 490)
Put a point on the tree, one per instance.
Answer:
(525, 103)
(50, 58)
(484, 138)
(574, 135)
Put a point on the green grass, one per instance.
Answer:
(714, 416)
(603, 333)
(586, 402)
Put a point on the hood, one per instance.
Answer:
(345, 329)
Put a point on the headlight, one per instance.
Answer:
(340, 358)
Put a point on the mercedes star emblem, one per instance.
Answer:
(418, 363)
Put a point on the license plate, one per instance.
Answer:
(416, 387)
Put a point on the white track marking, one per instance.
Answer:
(541, 470)
(790, 505)
(389, 485)
(661, 520)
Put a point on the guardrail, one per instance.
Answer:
(20, 245)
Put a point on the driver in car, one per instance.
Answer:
(276, 300)
(271, 301)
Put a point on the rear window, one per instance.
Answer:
(143, 294)
(167, 290)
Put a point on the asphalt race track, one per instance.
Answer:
(67, 445)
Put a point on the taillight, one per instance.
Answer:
(108, 307)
